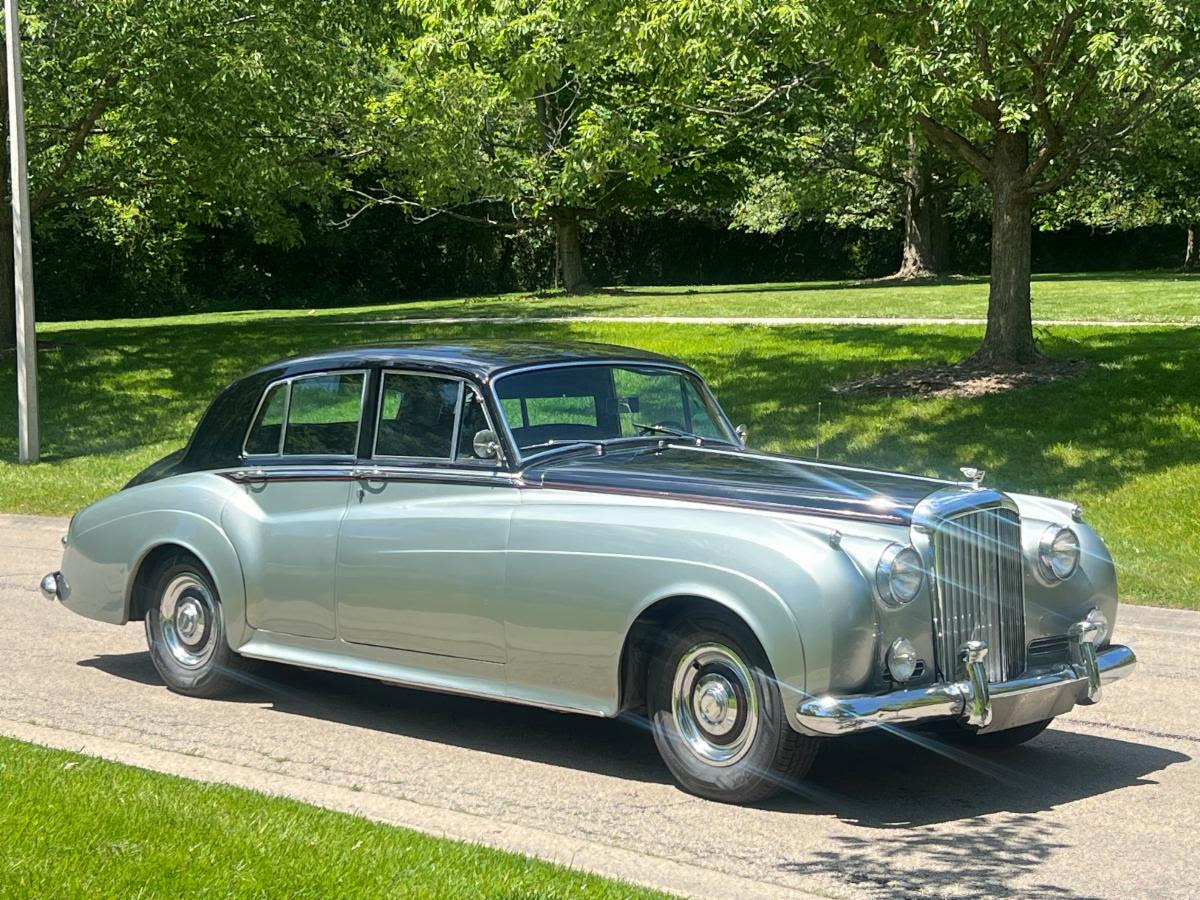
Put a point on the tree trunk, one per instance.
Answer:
(1008, 341)
(569, 251)
(1191, 256)
(939, 232)
(919, 259)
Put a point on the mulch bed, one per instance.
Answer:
(962, 379)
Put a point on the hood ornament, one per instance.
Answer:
(973, 475)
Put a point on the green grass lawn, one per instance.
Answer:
(1124, 439)
(77, 826)
(1125, 296)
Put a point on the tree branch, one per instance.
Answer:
(82, 131)
(955, 144)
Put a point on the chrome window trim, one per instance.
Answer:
(475, 465)
(667, 365)
(287, 409)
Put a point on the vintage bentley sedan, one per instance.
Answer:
(580, 527)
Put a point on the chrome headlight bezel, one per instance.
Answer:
(1055, 565)
(894, 581)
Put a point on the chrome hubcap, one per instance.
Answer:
(187, 613)
(714, 704)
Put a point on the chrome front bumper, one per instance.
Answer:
(1033, 697)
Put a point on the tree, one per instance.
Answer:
(1153, 179)
(1022, 94)
(145, 114)
(856, 177)
(519, 115)
(811, 148)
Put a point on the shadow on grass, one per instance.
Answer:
(1133, 412)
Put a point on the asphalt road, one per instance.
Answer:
(1104, 804)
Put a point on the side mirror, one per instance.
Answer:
(741, 433)
(485, 444)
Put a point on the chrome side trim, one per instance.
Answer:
(777, 508)
(831, 716)
(431, 474)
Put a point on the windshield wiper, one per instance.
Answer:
(663, 429)
(563, 445)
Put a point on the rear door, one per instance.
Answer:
(299, 456)
(421, 552)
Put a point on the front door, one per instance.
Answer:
(421, 552)
(298, 476)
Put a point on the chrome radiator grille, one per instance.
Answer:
(979, 591)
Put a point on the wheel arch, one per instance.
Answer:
(209, 545)
(650, 623)
(138, 598)
(106, 559)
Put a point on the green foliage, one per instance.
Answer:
(1077, 77)
(147, 115)
(1153, 178)
(507, 110)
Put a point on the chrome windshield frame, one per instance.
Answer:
(519, 460)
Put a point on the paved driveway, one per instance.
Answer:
(1104, 804)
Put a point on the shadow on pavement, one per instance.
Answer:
(879, 780)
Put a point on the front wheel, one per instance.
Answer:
(717, 714)
(185, 629)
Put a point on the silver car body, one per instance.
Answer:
(526, 580)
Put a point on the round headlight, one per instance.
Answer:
(899, 575)
(1058, 552)
(902, 659)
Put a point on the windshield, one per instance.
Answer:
(561, 404)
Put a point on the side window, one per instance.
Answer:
(267, 429)
(416, 416)
(323, 414)
(474, 420)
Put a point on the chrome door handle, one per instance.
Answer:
(251, 477)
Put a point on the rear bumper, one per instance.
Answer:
(989, 707)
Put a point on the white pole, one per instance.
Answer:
(27, 393)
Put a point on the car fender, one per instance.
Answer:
(111, 539)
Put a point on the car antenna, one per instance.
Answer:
(818, 429)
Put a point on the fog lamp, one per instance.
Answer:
(902, 659)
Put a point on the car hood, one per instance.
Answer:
(739, 478)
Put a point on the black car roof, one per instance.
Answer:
(482, 359)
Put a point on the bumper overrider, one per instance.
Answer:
(1034, 696)
(53, 586)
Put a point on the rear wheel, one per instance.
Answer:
(185, 629)
(717, 715)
